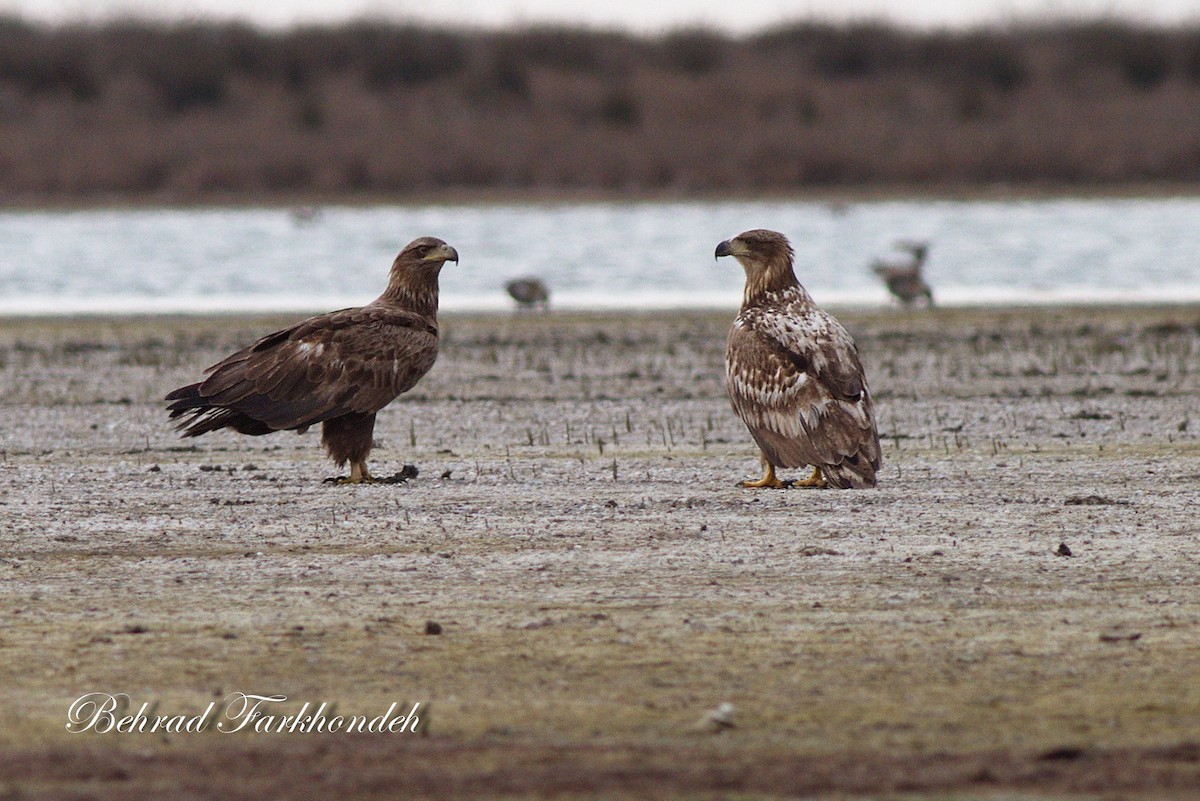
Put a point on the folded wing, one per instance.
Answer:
(355, 360)
(799, 387)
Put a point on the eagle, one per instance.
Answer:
(337, 369)
(794, 375)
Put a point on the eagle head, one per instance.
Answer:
(413, 281)
(766, 256)
(758, 249)
(426, 250)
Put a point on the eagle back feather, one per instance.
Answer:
(349, 361)
(795, 378)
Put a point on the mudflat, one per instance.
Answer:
(577, 595)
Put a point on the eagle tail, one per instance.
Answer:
(200, 416)
(854, 473)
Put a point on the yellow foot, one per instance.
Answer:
(815, 480)
(768, 481)
(359, 474)
(763, 483)
(363, 477)
(351, 480)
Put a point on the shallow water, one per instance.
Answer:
(594, 255)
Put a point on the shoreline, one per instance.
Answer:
(1135, 307)
(1101, 313)
(498, 197)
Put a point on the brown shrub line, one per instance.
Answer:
(133, 109)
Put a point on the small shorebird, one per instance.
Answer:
(902, 273)
(529, 293)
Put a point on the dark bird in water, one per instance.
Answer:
(529, 293)
(337, 369)
(902, 274)
(794, 375)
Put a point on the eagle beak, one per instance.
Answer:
(444, 253)
(724, 249)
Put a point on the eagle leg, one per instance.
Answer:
(815, 480)
(768, 481)
(359, 474)
(348, 439)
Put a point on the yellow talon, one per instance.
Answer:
(771, 481)
(768, 481)
(358, 475)
(815, 480)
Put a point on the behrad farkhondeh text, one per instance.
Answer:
(238, 712)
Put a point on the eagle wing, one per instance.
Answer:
(797, 382)
(354, 360)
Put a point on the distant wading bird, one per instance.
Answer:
(794, 375)
(529, 293)
(903, 277)
(336, 369)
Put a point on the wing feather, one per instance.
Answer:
(354, 360)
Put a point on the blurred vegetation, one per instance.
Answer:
(192, 111)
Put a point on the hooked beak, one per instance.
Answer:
(443, 253)
(724, 249)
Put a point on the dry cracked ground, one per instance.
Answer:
(579, 597)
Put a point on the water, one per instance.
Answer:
(593, 255)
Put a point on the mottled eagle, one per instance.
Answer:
(337, 369)
(794, 375)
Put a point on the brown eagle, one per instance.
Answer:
(794, 375)
(336, 369)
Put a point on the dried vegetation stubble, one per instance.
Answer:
(598, 581)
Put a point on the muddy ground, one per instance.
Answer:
(600, 585)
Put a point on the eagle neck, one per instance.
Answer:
(777, 277)
(419, 297)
